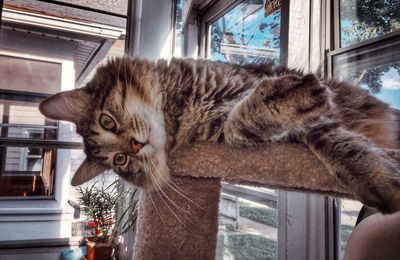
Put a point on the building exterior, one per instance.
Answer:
(44, 49)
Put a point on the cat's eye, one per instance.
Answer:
(120, 159)
(107, 123)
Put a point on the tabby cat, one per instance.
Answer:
(134, 113)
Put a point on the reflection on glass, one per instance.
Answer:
(348, 217)
(248, 33)
(247, 230)
(22, 119)
(376, 69)
(27, 171)
(383, 82)
(362, 20)
(178, 29)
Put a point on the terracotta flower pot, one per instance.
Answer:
(97, 250)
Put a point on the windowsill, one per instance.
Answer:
(30, 207)
(41, 243)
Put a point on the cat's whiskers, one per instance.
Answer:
(154, 205)
(168, 198)
(176, 189)
(166, 204)
(172, 185)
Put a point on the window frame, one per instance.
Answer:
(219, 8)
(333, 49)
(66, 67)
(206, 17)
(366, 44)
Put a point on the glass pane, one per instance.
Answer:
(247, 230)
(362, 20)
(375, 68)
(348, 217)
(20, 118)
(24, 83)
(248, 33)
(178, 29)
(26, 171)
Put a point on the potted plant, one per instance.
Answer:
(98, 203)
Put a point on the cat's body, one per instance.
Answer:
(135, 113)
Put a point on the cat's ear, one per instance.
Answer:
(87, 171)
(68, 105)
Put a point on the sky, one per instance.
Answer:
(390, 92)
(252, 35)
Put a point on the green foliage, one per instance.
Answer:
(264, 216)
(374, 17)
(246, 246)
(98, 202)
(369, 19)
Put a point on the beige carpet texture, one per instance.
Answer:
(182, 221)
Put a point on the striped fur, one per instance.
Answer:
(166, 105)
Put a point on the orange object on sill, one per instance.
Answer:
(97, 250)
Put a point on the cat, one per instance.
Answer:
(135, 113)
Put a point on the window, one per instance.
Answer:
(367, 54)
(27, 166)
(363, 20)
(375, 67)
(248, 33)
(248, 223)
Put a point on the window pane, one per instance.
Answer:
(375, 68)
(362, 20)
(24, 83)
(348, 217)
(248, 33)
(178, 29)
(20, 118)
(247, 230)
(27, 171)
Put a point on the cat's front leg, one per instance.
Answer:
(367, 171)
(275, 107)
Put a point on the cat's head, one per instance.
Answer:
(118, 114)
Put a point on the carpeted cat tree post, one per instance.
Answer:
(182, 221)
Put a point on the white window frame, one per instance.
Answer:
(298, 236)
(58, 202)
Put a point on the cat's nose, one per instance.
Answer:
(136, 145)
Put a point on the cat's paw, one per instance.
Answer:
(298, 100)
(382, 189)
